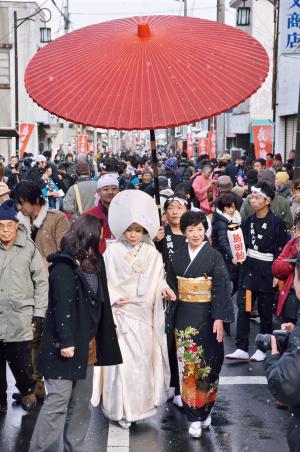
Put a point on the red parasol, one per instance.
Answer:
(146, 73)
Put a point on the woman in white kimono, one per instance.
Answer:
(137, 285)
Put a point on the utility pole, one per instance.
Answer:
(66, 17)
(220, 119)
(16, 82)
(275, 64)
(297, 160)
(185, 7)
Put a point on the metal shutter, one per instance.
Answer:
(290, 133)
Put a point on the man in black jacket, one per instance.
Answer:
(283, 372)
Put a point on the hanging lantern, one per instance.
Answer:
(243, 15)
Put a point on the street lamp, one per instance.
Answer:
(45, 36)
(243, 15)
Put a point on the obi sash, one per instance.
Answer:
(195, 290)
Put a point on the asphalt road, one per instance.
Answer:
(245, 419)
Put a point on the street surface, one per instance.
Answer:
(245, 419)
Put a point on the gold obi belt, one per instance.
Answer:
(195, 290)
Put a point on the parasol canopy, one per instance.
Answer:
(133, 206)
(146, 72)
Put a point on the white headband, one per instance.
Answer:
(258, 191)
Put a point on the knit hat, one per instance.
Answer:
(266, 176)
(224, 183)
(40, 158)
(106, 180)
(4, 190)
(278, 157)
(8, 211)
(171, 164)
(282, 177)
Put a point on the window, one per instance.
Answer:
(4, 68)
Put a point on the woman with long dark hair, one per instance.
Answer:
(79, 331)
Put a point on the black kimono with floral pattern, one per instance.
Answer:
(200, 356)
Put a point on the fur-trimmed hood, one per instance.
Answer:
(25, 221)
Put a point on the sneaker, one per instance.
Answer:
(28, 402)
(124, 424)
(207, 423)
(258, 356)
(177, 401)
(195, 429)
(238, 354)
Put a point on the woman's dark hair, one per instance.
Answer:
(296, 183)
(192, 218)
(1, 171)
(27, 191)
(226, 200)
(267, 189)
(289, 169)
(82, 240)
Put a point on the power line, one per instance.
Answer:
(81, 13)
(10, 32)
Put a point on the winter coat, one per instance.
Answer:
(172, 179)
(200, 186)
(231, 171)
(221, 243)
(52, 226)
(280, 206)
(285, 271)
(23, 288)
(285, 192)
(185, 170)
(68, 322)
(283, 373)
(87, 189)
(34, 174)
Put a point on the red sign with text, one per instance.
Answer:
(262, 139)
(82, 144)
(190, 147)
(25, 132)
(211, 145)
(202, 146)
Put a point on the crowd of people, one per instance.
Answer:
(97, 292)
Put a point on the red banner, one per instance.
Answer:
(262, 139)
(202, 146)
(25, 132)
(190, 147)
(90, 147)
(82, 144)
(211, 145)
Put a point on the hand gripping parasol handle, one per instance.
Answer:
(155, 172)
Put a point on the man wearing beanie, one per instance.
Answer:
(107, 188)
(279, 205)
(80, 196)
(23, 303)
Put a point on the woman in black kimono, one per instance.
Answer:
(199, 277)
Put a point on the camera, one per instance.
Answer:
(263, 341)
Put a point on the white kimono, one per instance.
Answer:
(135, 388)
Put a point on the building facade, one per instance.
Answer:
(288, 76)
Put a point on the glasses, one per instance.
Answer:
(7, 227)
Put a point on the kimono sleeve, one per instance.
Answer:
(222, 308)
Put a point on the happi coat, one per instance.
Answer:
(135, 388)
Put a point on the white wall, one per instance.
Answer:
(28, 44)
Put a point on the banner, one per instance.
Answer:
(82, 141)
(90, 147)
(202, 146)
(25, 132)
(262, 139)
(190, 147)
(211, 144)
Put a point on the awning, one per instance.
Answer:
(259, 122)
(8, 132)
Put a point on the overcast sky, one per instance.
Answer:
(86, 12)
